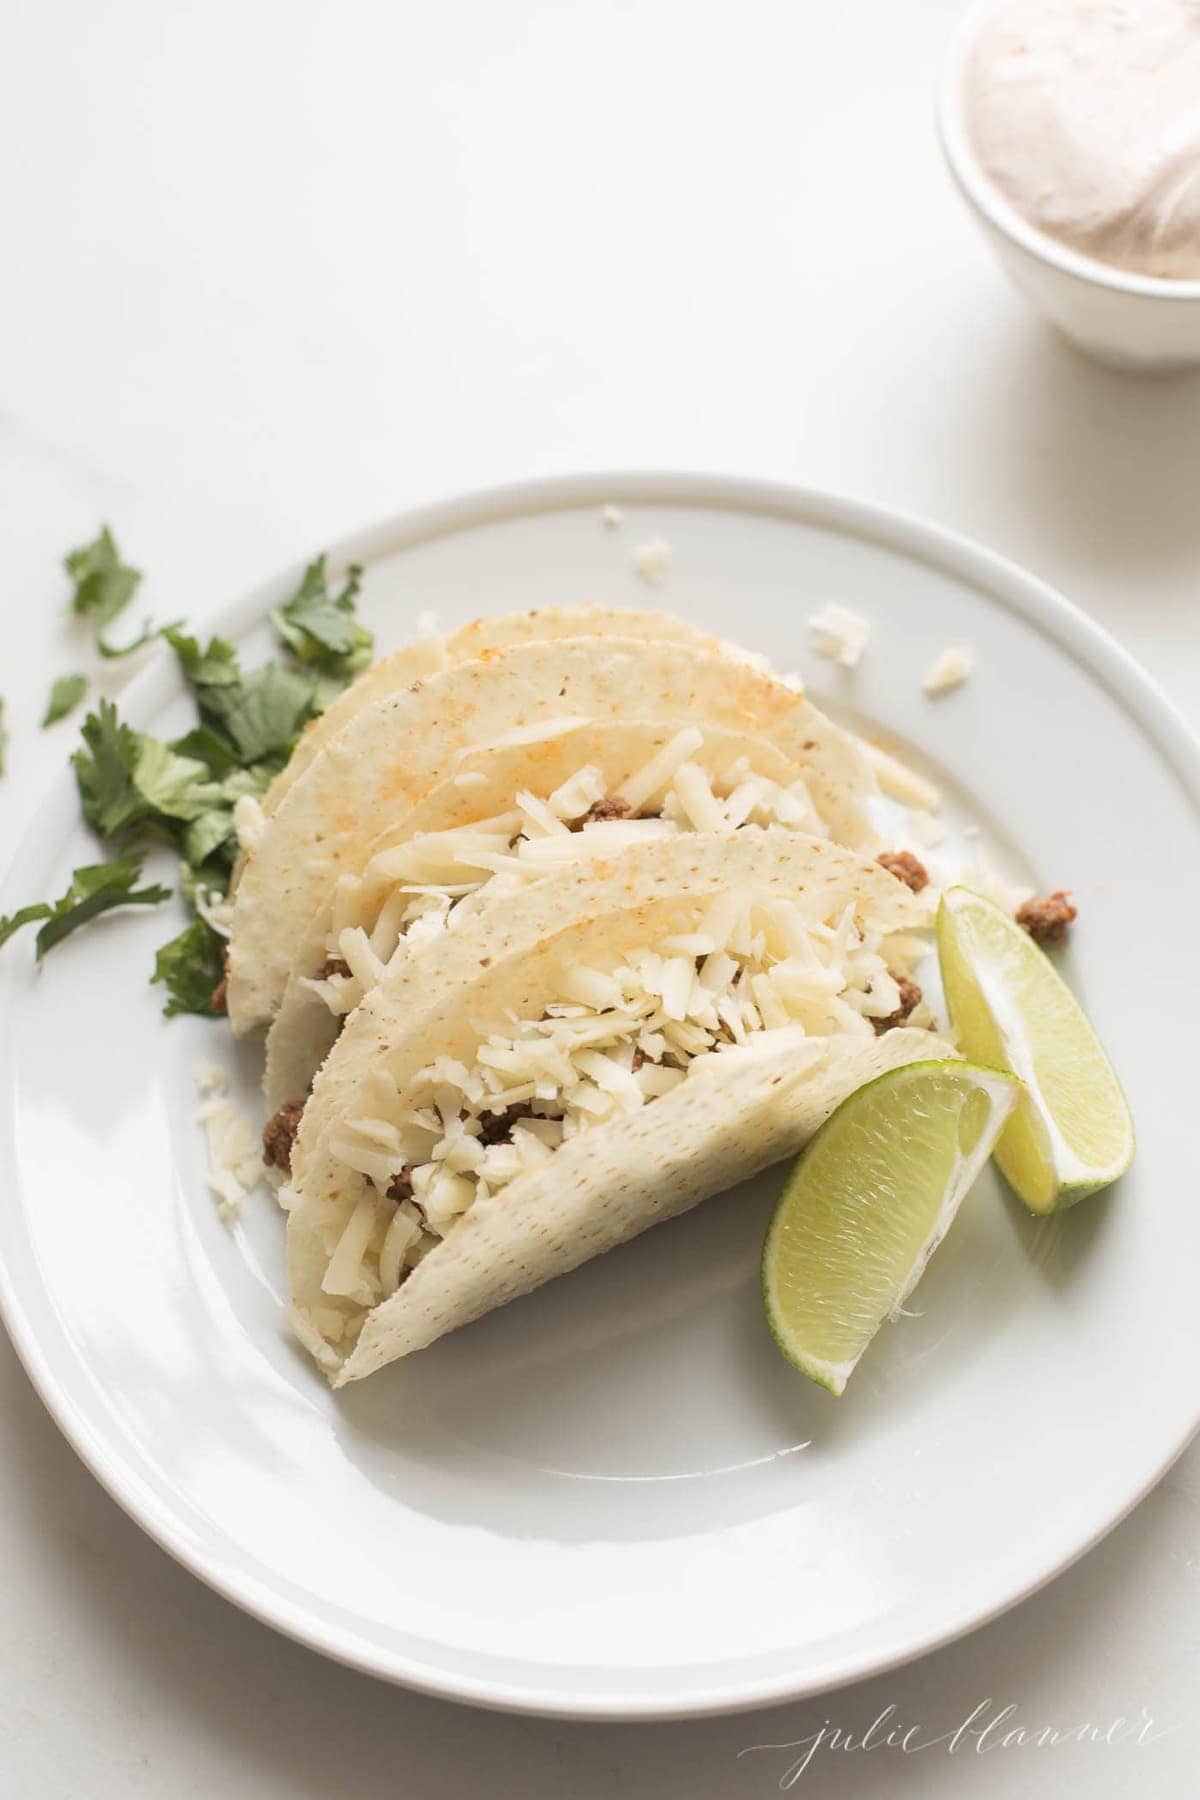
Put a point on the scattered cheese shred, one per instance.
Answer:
(949, 670)
(839, 634)
(249, 822)
(235, 1165)
(900, 782)
(652, 560)
(611, 517)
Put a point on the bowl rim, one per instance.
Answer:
(981, 192)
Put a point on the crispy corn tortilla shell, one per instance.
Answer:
(419, 660)
(512, 954)
(738, 1113)
(484, 784)
(395, 750)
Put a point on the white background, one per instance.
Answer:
(269, 271)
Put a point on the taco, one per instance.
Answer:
(419, 660)
(392, 752)
(607, 1048)
(508, 814)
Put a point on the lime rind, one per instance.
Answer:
(868, 1202)
(1072, 1133)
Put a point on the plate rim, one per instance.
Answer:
(1003, 582)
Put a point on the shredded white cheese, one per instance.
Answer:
(210, 1078)
(307, 1332)
(611, 517)
(949, 670)
(898, 781)
(652, 560)
(620, 1033)
(428, 626)
(839, 634)
(249, 822)
(235, 1165)
(409, 891)
(215, 909)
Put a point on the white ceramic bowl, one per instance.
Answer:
(1128, 321)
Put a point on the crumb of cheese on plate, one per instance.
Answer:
(428, 626)
(949, 670)
(839, 634)
(234, 1153)
(611, 517)
(898, 781)
(652, 560)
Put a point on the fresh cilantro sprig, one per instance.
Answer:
(132, 785)
(192, 968)
(104, 586)
(136, 789)
(319, 627)
(95, 889)
(258, 716)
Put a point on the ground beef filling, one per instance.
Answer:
(279, 1134)
(1047, 917)
(333, 965)
(401, 1185)
(906, 868)
(611, 807)
(910, 999)
(219, 998)
(497, 1128)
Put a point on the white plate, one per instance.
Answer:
(614, 1499)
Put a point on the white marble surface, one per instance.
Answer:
(268, 271)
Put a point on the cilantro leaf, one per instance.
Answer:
(11, 924)
(104, 771)
(104, 585)
(171, 786)
(215, 667)
(263, 715)
(205, 746)
(65, 696)
(127, 778)
(258, 716)
(94, 889)
(132, 784)
(192, 967)
(319, 627)
(210, 835)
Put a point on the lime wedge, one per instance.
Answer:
(867, 1204)
(1071, 1133)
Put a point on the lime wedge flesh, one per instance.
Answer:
(1072, 1132)
(868, 1202)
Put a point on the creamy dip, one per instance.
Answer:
(1086, 115)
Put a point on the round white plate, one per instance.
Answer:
(614, 1498)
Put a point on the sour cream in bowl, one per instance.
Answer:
(1072, 128)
